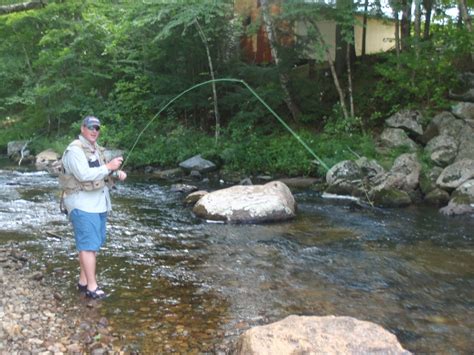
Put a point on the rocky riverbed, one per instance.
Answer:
(36, 319)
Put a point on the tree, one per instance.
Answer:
(405, 24)
(190, 15)
(428, 6)
(273, 41)
(465, 14)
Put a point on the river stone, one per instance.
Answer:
(462, 200)
(14, 149)
(248, 204)
(454, 209)
(390, 197)
(467, 95)
(428, 179)
(396, 138)
(193, 197)
(466, 144)
(369, 168)
(184, 188)
(464, 193)
(437, 197)
(443, 150)
(456, 174)
(168, 174)
(318, 335)
(345, 178)
(443, 123)
(404, 175)
(464, 110)
(408, 120)
(345, 170)
(46, 159)
(198, 163)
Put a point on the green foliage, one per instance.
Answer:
(123, 61)
(422, 77)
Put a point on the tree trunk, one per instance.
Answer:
(345, 7)
(417, 26)
(465, 15)
(428, 5)
(284, 78)
(24, 6)
(349, 79)
(397, 36)
(364, 29)
(213, 84)
(333, 70)
(405, 23)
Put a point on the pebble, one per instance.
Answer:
(34, 320)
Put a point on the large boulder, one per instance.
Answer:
(437, 197)
(399, 186)
(197, 163)
(443, 150)
(318, 335)
(271, 202)
(443, 123)
(390, 197)
(46, 160)
(464, 110)
(396, 138)
(408, 120)
(369, 168)
(456, 174)
(462, 200)
(466, 143)
(428, 179)
(344, 178)
(17, 150)
(404, 174)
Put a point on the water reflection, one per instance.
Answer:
(179, 284)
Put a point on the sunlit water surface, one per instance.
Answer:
(181, 284)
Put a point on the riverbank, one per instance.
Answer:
(36, 319)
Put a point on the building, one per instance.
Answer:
(380, 34)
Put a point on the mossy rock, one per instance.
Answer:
(437, 197)
(391, 198)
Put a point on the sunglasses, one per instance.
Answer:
(93, 128)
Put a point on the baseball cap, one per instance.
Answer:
(91, 121)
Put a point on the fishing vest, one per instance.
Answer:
(68, 182)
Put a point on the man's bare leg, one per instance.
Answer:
(87, 260)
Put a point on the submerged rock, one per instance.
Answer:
(271, 202)
(319, 335)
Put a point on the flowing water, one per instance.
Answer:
(180, 284)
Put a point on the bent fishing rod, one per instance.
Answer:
(229, 80)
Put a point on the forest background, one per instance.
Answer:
(123, 61)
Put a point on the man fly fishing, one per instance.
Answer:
(85, 181)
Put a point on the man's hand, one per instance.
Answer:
(114, 164)
(121, 175)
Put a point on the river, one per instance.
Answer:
(181, 284)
